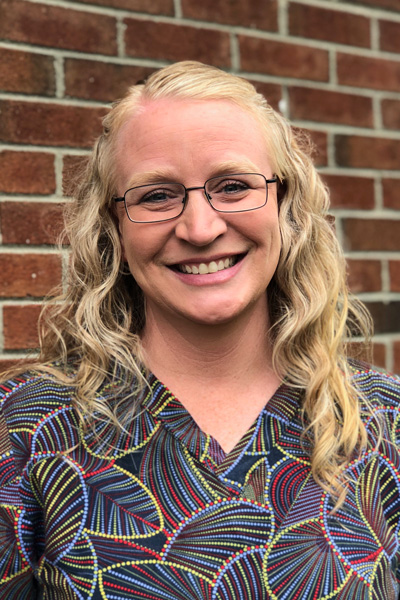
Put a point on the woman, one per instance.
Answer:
(202, 263)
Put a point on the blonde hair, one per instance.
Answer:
(96, 324)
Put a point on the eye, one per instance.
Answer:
(157, 196)
(228, 187)
(233, 187)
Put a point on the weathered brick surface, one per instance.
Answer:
(391, 114)
(371, 234)
(368, 72)
(332, 67)
(391, 193)
(375, 355)
(331, 107)
(364, 275)
(27, 172)
(271, 91)
(367, 152)
(390, 4)
(316, 144)
(47, 25)
(389, 36)
(331, 25)
(282, 59)
(30, 223)
(251, 13)
(73, 169)
(394, 270)
(170, 42)
(94, 80)
(155, 7)
(396, 354)
(26, 73)
(350, 192)
(20, 326)
(386, 316)
(49, 124)
(29, 274)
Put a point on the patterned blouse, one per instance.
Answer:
(162, 513)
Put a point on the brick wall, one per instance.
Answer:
(331, 66)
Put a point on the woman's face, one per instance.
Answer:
(188, 142)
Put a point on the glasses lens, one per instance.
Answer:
(155, 202)
(237, 192)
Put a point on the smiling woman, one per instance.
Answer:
(194, 428)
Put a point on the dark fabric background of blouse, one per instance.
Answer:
(161, 512)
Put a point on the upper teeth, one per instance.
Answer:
(204, 268)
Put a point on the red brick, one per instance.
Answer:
(73, 168)
(26, 73)
(251, 13)
(282, 59)
(391, 114)
(314, 143)
(364, 275)
(331, 25)
(330, 107)
(350, 192)
(363, 71)
(370, 353)
(30, 223)
(9, 363)
(20, 326)
(391, 193)
(396, 357)
(95, 80)
(367, 152)
(379, 355)
(389, 36)
(49, 124)
(270, 91)
(394, 270)
(27, 172)
(57, 27)
(386, 316)
(165, 41)
(371, 234)
(320, 141)
(29, 274)
(155, 7)
(391, 4)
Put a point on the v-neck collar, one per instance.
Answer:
(164, 406)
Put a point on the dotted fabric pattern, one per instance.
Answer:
(162, 513)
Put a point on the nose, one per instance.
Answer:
(199, 223)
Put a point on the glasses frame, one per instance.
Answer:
(200, 187)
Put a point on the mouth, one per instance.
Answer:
(205, 268)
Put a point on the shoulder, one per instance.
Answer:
(33, 393)
(378, 388)
(32, 406)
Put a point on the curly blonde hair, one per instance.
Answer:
(96, 324)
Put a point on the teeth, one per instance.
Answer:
(204, 269)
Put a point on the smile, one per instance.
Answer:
(211, 267)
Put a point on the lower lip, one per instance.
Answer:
(210, 278)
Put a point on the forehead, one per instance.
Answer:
(184, 133)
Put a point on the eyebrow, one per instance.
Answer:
(224, 168)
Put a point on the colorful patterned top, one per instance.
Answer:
(163, 513)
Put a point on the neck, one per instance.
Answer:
(189, 350)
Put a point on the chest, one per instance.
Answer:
(165, 522)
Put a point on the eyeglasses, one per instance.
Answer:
(157, 202)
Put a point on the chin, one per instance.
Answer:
(217, 315)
